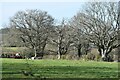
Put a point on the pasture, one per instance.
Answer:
(48, 68)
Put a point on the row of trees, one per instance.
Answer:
(96, 25)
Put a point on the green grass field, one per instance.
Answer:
(12, 68)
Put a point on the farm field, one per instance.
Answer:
(46, 68)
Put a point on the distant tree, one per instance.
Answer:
(4, 30)
(80, 41)
(62, 38)
(33, 27)
(99, 23)
(4, 36)
(8, 38)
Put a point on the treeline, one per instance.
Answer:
(94, 27)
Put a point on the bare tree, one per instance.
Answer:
(63, 38)
(99, 23)
(33, 27)
(80, 41)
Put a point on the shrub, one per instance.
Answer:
(97, 57)
(49, 57)
(71, 56)
(63, 56)
(84, 57)
(3, 55)
(91, 56)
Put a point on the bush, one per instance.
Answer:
(28, 53)
(111, 56)
(63, 56)
(97, 57)
(50, 57)
(91, 56)
(84, 57)
(71, 56)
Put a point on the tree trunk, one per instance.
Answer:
(59, 56)
(79, 50)
(104, 57)
(103, 54)
(43, 48)
(35, 53)
(59, 46)
(59, 52)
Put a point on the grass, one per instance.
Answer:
(59, 68)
